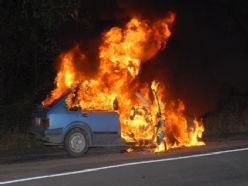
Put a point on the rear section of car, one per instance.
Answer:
(77, 129)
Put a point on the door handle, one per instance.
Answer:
(85, 114)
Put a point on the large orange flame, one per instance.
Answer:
(121, 54)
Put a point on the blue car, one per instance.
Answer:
(75, 128)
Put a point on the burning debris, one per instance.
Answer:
(145, 117)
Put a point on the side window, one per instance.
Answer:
(74, 109)
(71, 102)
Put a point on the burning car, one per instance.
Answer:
(78, 129)
(110, 92)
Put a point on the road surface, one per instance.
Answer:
(217, 163)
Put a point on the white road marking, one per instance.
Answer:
(122, 165)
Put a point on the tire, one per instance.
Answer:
(76, 142)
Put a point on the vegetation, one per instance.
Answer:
(231, 117)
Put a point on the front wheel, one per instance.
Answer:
(76, 142)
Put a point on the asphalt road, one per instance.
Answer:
(217, 163)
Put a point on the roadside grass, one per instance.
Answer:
(19, 147)
(230, 118)
(19, 144)
(15, 140)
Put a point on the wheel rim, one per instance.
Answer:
(77, 142)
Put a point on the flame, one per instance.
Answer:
(130, 150)
(160, 148)
(179, 131)
(146, 119)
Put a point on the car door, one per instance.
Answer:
(104, 125)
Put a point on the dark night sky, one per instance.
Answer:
(208, 55)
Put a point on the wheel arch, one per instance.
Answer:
(81, 125)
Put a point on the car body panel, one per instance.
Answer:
(103, 127)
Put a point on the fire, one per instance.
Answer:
(146, 119)
(179, 131)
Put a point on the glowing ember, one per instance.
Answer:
(145, 118)
(129, 150)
